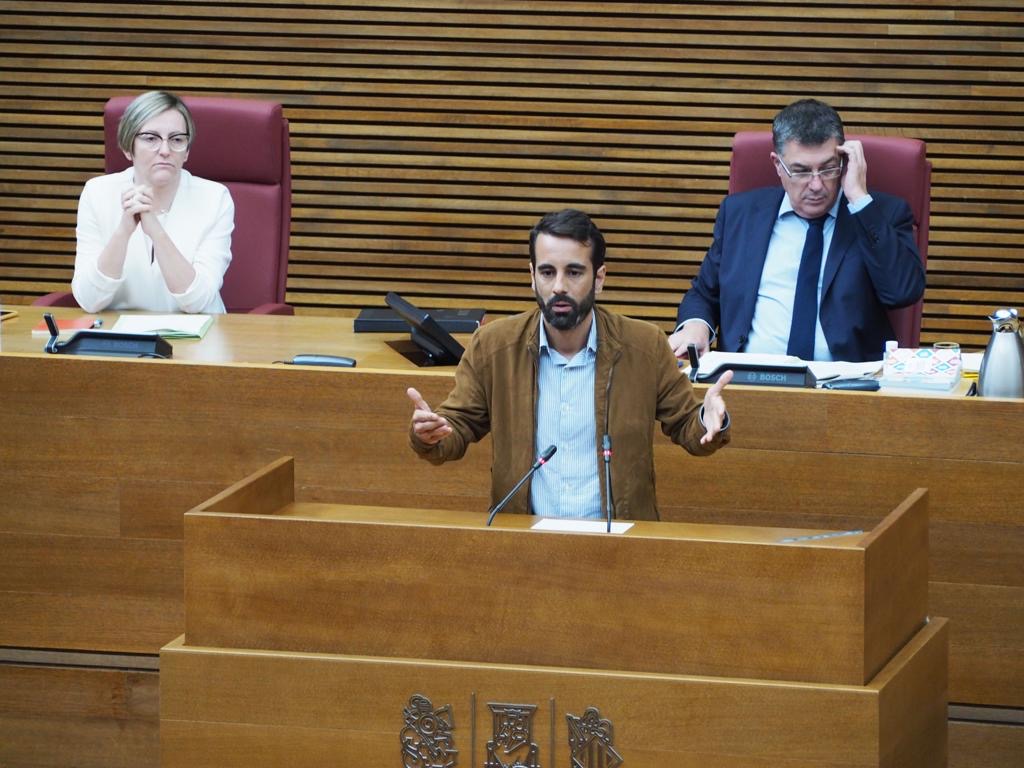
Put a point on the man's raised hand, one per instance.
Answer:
(427, 425)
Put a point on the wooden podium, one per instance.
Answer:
(326, 634)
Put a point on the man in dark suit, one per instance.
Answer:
(808, 269)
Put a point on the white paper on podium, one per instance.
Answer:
(579, 526)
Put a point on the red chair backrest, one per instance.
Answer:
(895, 165)
(242, 144)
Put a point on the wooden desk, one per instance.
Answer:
(358, 611)
(260, 339)
(99, 458)
(265, 571)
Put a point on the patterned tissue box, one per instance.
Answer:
(923, 368)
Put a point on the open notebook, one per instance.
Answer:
(168, 326)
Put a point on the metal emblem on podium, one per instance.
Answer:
(427, 739)
(511, 744)
(591, 741)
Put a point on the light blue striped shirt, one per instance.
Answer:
(569, 484)
(773, 312)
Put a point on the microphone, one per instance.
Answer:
(51, 326)
(691, 353)
(606, 452)
(540, 462)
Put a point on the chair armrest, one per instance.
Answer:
(272, 308)
(56, 299)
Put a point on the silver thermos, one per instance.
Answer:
(1002, 366)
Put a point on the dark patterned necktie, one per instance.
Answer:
(805, 300)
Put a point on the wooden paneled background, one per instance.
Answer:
(429, 135)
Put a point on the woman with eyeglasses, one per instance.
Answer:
(153, 237)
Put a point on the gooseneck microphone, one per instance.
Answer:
(540, 462)
(606, 452)
(694, 358)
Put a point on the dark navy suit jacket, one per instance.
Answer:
(872, 265)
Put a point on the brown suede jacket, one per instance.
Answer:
(496, 391)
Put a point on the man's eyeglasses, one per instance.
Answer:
(178, 142)
(825, 174)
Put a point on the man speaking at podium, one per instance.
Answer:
(572, 376)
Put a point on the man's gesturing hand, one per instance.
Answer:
(427, 425)
(714, 408)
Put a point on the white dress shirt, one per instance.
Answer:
(569, 484)
(199, 223)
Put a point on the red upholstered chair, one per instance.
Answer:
(242, 144)
(895, 165)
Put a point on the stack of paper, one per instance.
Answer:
(712, 361)
(167, 326)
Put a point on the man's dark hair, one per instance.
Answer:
(572, 224)
(809, 122)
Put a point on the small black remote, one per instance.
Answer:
(864, 385)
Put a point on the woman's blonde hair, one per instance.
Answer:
(145, 107)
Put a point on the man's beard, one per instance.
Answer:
(568, 320)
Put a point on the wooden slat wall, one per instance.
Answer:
(429, 135)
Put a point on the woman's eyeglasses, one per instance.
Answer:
(178, 142)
